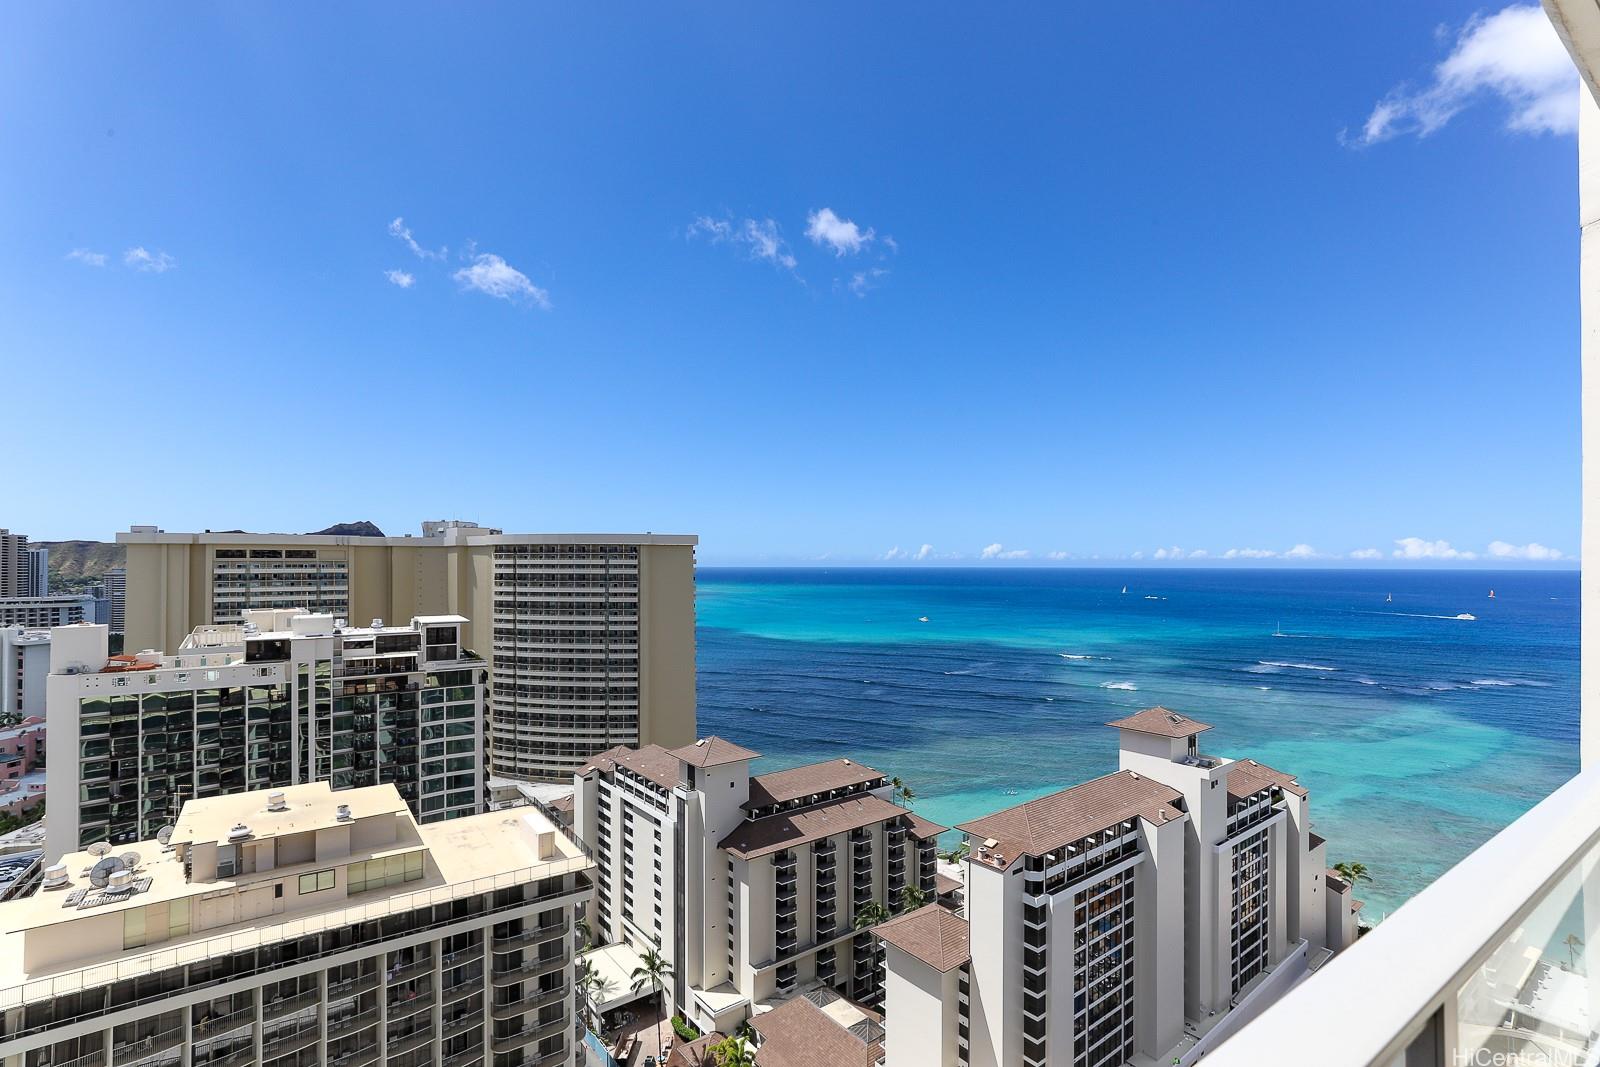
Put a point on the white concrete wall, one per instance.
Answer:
(1159, 938)
(1589, 303)
(919, 1012)
(994, 910)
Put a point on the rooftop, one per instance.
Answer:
(713, 752)
(798, 1033)
(470, 535)
(790, 829)
(652, 762)
(1160, 721)
(1246, 777)
(782, 786)
(1044, 825)
(933, 934)
(310, 807)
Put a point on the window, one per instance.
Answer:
(378, 873)
(316, 881)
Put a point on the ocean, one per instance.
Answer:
(1418, 734)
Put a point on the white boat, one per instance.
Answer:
(1389, 599)
(923, 618)
(1124, 590)
(1464, 617)
(1491, 594)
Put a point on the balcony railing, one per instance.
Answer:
(1486, 965)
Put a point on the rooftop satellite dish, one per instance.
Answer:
(98, 849)
(130, 859)
(100, 874)
(164, 835)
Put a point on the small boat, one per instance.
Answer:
(1389, 599)
(1464, 617)
(922, 618)
(1279, 631)
(1491, 594)
(1124, 590)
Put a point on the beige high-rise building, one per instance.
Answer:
(15, 577)
(298, 927)
(590, 637)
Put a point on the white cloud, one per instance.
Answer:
(1058, 555)
(1301, 551)
(400, 278)
(492, 275)
(1169, 553)
(154, 262)
(864, 280)
(1532, 550)
(88, 258)
(1366, 553)
(1199, 553)
(761, 239)
(841, 235)
(398, 228)
(1513, 54)
(925, 552)
(999, 551)
(1250, 553)
(1417, 548)
(1138, 555)
(896, 553)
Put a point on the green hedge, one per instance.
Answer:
(684, 1028)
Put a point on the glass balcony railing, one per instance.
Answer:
(1488, 965)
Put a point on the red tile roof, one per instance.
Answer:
(933, 934)
(1161, 721)
(791, 829)
(1044, 825)
(782, 786)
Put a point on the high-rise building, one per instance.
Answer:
(38, 571)
(14, 580)
(1136, 918)
(24, 667)
(43, 612)
(750, 884)
(590, 636)
(283, 698)
(115, 583)
(297, 927)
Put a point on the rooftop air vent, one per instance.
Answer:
(1175, 718)
(277, 802)
(239, 832)
(343, 813)
(55, 876)
(377, 624)
(121, 881)
(341, 623)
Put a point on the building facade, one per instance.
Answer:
(590, 637)
(301, 927)
(38, 571)
(43, 612)
(22, 752)
(114, 586)
(14, 575)
(283, 698)
(750, 884)
(24, 667)
(1136, 918)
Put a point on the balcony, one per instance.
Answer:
(147, 1048)
(346, 988)
(536, 936)
(1482, 966)
(277, 1009)
(399, 1046)
(359, 1058)
(528, 1035)
(528, 970)
(523, 1005)
(291, 1039)
(347, 1024)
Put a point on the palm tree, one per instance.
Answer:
(1352, 872)
(906, 795)
(959, 853)
(733, 1051)
(653, 971)
(585, 934)
(870, 914)
(1573, 943)
(912, 898)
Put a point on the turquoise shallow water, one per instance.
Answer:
(1418, 734)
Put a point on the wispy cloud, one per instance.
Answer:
(1366, 553)
(1302, 551)
(1058, 555)
(1533, 550)
(761, 239)
(139, 258)
(999, 551)
(1250, 553)
(400, 278)
(842, 235)
(1417, 548)
(864, 281)
(1513, 54)
(895, 553)
(87, 258)
(925, 552)
(399, 229)
(490, 274)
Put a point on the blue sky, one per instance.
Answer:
(1072, 281)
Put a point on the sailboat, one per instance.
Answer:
(1124, 590)
(1491, 594)
(1389, 599)
(1279, 631)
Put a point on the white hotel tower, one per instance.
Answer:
(1139, 918)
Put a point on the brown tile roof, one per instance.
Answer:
(781, 786)
(922, 829)
(933, 934)
(696, 1053)
(1246, 778)
(1044, 825)
(944, 885)
(651, 761)
(561, 804)
(790, 829)
(1335, 881)
(1317, 840)
(797, 1033)
(1161, 721)
(713, 752)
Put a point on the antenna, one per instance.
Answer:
(130, 859)
(98, 849)
(164, 835)
(100, 874)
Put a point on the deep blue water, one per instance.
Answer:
(1418, 734)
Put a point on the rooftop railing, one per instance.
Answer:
(1486, 965)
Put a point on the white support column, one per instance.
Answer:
(1589, 302)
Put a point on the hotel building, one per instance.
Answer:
(15, 579)
(283, 698)
(590, 636)
(1141, 917)
(300, 927)
(24, 667)
(750, 884)
(43, 612)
